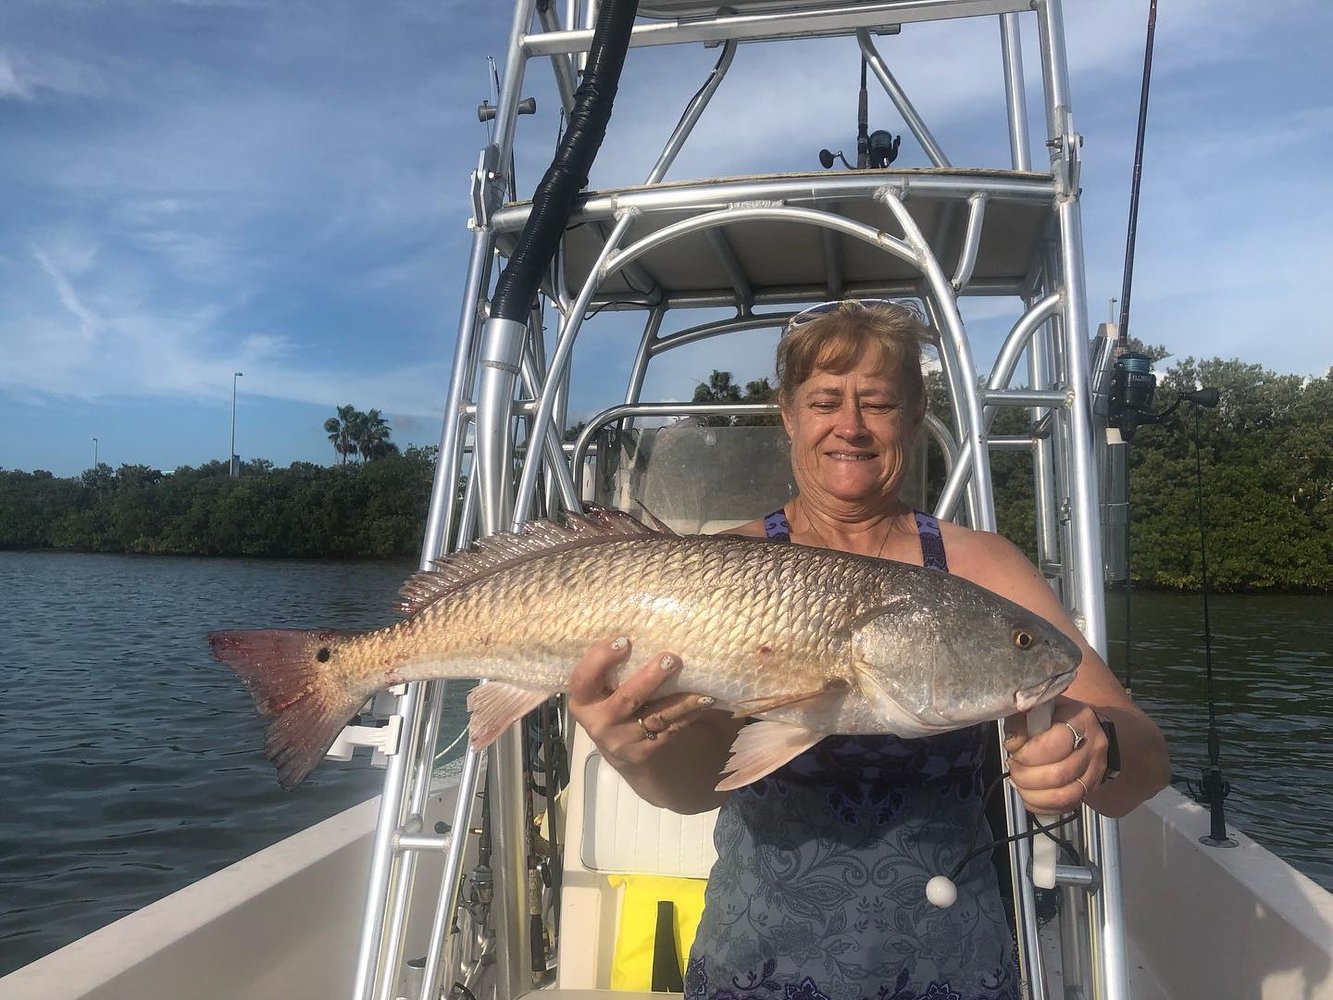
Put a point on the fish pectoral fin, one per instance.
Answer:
(763, 747)
(494, 707)
(757, 706)
(894, 717)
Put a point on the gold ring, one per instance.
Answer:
(648, 734)
(1083, 786)
(1078, 737)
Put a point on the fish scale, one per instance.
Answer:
(710, 621)
(812, 641)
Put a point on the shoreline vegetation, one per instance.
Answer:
(1265, 455)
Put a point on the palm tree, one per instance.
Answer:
(371, 433)
(340, 430)
(719, 389)
(759, 391)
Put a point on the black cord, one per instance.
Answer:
(717, 66)
(614, 302)
(1048, 829)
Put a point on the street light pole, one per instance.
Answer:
(94, 454)
(231, 455)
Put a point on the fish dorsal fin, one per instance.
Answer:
(763, 747)
(595, 526)
(622, 522)
(655, 521)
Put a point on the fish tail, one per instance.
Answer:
(284, 671)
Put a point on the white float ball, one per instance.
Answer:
(942, 892)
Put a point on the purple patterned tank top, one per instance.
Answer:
(818, 892)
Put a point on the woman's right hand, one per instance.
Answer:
(630, 725)
(672, 750)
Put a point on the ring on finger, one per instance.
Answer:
(1083, 786)
(648, 734)
(1078, 737)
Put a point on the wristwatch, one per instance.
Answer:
(1112, 750)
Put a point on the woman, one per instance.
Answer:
(819, 887)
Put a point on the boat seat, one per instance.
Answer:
(672, 472)
(675, 473)
(610, 830)
(718, 525)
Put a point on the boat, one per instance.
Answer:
(495, 878)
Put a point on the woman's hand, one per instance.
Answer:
(1055, 771)
(628, 723)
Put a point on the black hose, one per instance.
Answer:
(553, 201)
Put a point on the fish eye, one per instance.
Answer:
(1022, 639)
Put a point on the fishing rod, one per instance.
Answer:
(874, 150)
(1215, 786)
(1131, 370)
(1123, 327)
(1133, 385)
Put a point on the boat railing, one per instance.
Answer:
(761, 246)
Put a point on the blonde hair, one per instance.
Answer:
(837, 339)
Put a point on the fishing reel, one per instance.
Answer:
(876, 151)
(1133, 386)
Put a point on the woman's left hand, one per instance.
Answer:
(1055, 771)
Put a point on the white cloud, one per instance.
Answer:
(95, 338)
(275, 200)
(39, 75)
(88, 321)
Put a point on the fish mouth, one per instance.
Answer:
(1029, 697)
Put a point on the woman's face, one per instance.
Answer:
(851, 434)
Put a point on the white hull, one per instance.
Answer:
(282, 923)
(1220, 922)
(1202, 922)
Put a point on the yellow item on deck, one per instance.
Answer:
(642, 942)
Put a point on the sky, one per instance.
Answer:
(194, 188)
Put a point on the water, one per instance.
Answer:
(1273, 694)
(131, 762)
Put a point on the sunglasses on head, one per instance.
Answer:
(824, 308)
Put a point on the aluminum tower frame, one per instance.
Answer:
(509, 388)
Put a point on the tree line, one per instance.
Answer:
(376, 509)
(1264, 459)
(303, 511)
(1265, 455)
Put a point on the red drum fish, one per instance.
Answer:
(809, 641)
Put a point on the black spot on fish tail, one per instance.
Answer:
(281, 668)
